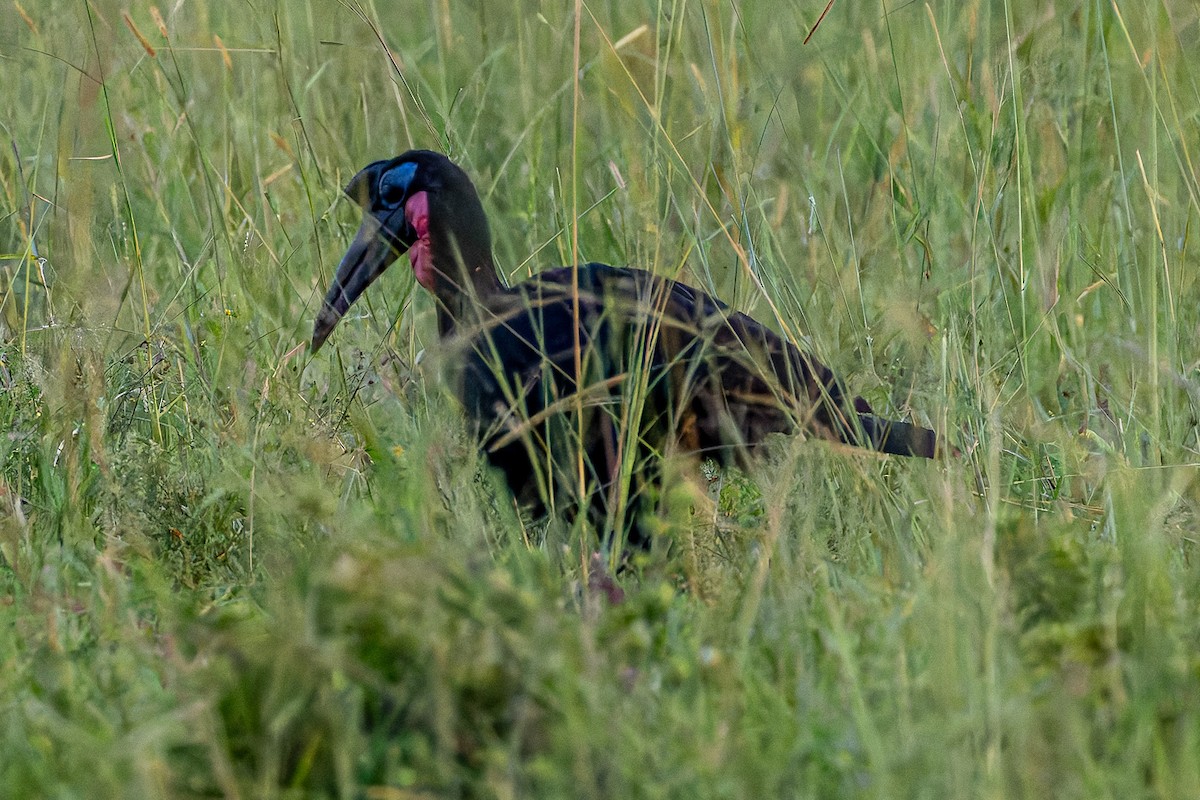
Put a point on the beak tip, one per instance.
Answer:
(327, 320)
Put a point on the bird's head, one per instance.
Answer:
(423, 204)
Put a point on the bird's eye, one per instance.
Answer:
(394, 185)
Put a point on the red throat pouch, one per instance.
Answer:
(420, 254)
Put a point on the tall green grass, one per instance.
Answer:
(230, 570)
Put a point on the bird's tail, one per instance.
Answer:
(898, 438)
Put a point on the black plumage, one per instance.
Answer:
(579, 380)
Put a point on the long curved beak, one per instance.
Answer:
(373, 250)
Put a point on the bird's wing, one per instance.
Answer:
(699, 366)
(718, 372)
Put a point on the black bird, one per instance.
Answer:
(579, 380)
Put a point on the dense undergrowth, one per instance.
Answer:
(232, 570)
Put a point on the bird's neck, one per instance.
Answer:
(467, 282)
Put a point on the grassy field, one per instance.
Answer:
(230, 570)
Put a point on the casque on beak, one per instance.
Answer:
(379, 242)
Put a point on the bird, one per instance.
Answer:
(578, 381)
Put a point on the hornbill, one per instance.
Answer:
(579, 380)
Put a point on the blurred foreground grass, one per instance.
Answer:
(229, 571)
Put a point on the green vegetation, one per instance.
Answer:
(230, 571)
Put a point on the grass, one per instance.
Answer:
(229, 570)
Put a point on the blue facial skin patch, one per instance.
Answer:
(393, 186)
